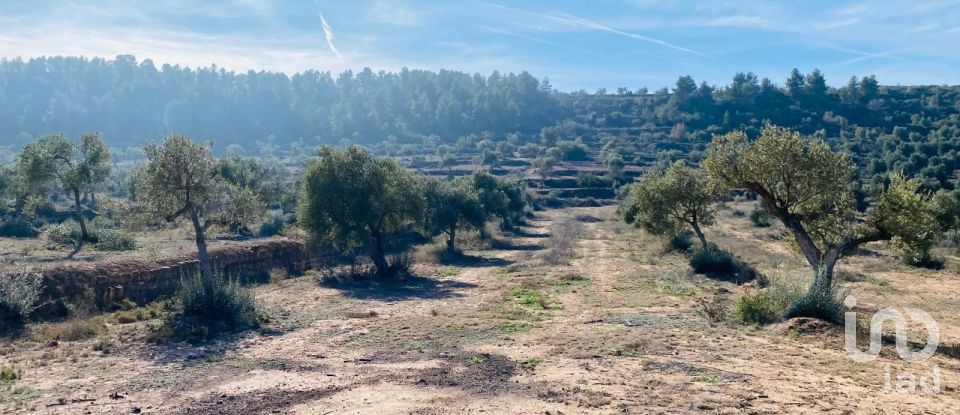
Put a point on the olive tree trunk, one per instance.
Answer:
(206, 270)
(83, 225)
(700, 235)
(452, 238)
(377, 253)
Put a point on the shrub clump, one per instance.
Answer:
(823, 304)
(922, 259)
(563, 239)
(681, 242)
(760, 218)
(65, 233)
(19, 294)
(721, 265)
(271, 227)
(230, 307)
(116, 240)
(770, 304)
(18, 228)
(756, 308)
(8, 374)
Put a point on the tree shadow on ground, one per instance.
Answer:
(399, 289)
(522, 233)
(461, 259)
(507, 245)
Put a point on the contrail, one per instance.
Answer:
(328, 34)
(579, 21)
(571, 20)
(538, 40)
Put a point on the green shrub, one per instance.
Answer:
(593, 180)
(401, 264)
(10, 374)
(924, 259)
(66, 233)
(681, 242)
(770, 304)
(721, 265)
(18, 228)
(231, 305)
(272, 227)
(116, 240)
(19, 293)
(756, 308)
(826, 305)
(760, 218)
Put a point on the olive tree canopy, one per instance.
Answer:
(806, 185)
(74, 168)
(662, 202)
(451, 205)
(351, 199)
(180, 180)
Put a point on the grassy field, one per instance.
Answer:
(615, 326)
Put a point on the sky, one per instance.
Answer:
(576, 44)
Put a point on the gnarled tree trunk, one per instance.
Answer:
(696, 229)
(206, 270)
(83, 225)
(377, 253)
(452, 238)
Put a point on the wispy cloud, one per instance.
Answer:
(396, 13)
(328, 34)
(539, 40)
(576, 21)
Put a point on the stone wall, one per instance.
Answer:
(141, 280)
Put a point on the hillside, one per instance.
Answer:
(884, 128)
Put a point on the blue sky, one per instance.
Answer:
(577, 44)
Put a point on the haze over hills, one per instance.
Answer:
(130, 102)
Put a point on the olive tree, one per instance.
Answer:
(180, 180)
(76, 168)
(662, 202)
(806, 185)
(351, 199)
(501, 198)
(451, 205)
(544, 167)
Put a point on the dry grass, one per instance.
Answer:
(562, 242)
(625, 328)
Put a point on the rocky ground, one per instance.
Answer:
(620, 328)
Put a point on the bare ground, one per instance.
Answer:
(619, 329)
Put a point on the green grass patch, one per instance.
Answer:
(517, 327)
(449, 272)
(11, 393)
(532, 363)
(477, 360)
(879, 282)
(622, 353)
(566, 280)
(534, 299)
(710, 379)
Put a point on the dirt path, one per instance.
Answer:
(617, 330)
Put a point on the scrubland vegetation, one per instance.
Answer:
(664, 238)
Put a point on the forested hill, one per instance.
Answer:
(129, 102)
(910, 128)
